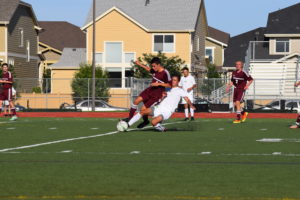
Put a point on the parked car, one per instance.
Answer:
(86, 105)
(20, 108)
(289, 105)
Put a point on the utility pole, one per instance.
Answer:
(94, 57)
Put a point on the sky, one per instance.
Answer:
(232, 16)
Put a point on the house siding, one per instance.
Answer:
(116, 27)
(28, 71)
(218, 52)
(198, 57)
(2, 38)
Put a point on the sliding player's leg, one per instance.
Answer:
(156, 123)
(138, 116)
(145, 116)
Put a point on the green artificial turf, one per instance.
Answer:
(205, 159)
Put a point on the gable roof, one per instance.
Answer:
(168, 15)
(238, 45)
(71, 57)
(218, 35)
(284, 21)
(9, 7)
(60, 34)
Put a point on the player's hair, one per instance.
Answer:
(4, 64)
(178, 77)
(155, 60)
(240, 62)
(185, 68)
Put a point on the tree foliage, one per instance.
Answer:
(212, 80)
(82, 83)
(172, 64)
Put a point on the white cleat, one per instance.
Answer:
(14, 118)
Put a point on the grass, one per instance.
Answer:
(147, 165)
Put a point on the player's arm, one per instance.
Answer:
(166, 85)
(189, 103)
(229, 85)
(250, 81)
(147, 68)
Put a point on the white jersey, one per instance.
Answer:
(173, 98)
(186, 83)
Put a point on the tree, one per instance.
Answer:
(172, 64)
(82, 83)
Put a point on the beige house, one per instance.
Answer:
(125, 30)
(19, 30)
(215, 44)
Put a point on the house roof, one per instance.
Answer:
(157, 15)
(8, 8)
(238, 45)
(284, 21)
(71, 57)
(60, 34)
(218, 35)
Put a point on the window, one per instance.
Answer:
(21, 37)
(198, 44)
(115, 77)
(11, 61)
(164, 43)
(128, 74)
(129, 57)
(99, 57)
(28, 51)
(209, 54)
(113, 51)
(282, 45)
(292, 105)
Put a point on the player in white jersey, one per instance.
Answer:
(188, 83)
(166, 108)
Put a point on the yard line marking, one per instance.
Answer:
(135, 152)
(276, 140)
(263, 129)
(6, 122)
(11, 128)
(221, 129)
(53, 128)
(94, 128)
(67, 151)
(74, 139)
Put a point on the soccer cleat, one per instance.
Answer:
(161, 129)
(244, 117)
(192, 119)
(143, 124)
(14, 118)
(237, 121)
(186, 119)
(295, 126)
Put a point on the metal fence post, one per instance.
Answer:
(47, 89)
(88, 93)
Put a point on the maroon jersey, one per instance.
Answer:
(160, 77)
(240, 79)
(7, 77)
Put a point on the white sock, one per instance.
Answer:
(159, 127)
(192, 112)
(186, 111)
(135, 118)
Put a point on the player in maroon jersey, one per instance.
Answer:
(151, 96)
(241, 82)
(6, 94)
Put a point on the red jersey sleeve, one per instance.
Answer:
(247, 77)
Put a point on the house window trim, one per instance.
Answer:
(28, 55)
(282, 53)
(197, 44)
(134, 57)
(21, 32)
(213, 54)
(174, 38)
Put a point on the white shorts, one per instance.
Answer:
(190, 96)
(160, 111)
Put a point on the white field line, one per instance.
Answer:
(73, 139)
(275, 154)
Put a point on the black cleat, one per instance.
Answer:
(125, 120)
(143, 124)
(192, 119)
(186, 119)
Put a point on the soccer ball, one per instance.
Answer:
(122, 126)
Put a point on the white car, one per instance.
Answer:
(86, 105)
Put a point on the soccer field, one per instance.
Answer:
(84, 158)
